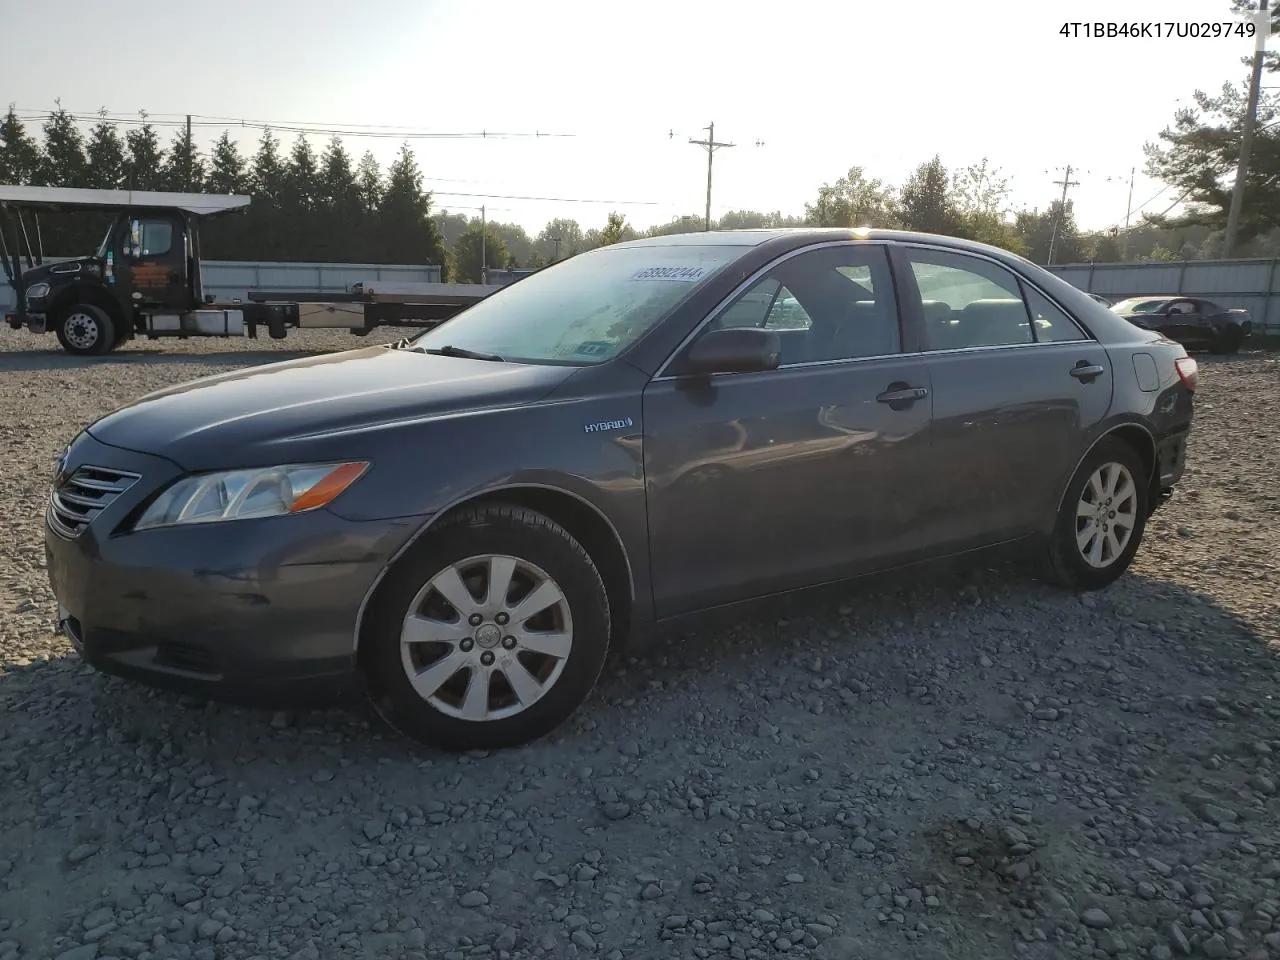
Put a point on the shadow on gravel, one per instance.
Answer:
(51, 360)
(934, 619)
(995, 759)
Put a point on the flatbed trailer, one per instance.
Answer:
(144, 280)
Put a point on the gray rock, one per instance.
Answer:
(1216, 948)
(473, 898)
(81, 853)
(1096, 918)
(88, 951)
(97, 918)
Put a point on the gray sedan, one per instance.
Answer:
(461, 526)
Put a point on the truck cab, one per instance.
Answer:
(144, 278)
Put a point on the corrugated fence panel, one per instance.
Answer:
(233, 279)
(1251, 284)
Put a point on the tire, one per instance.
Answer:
(84, 330)
(1228, 341)
(545, 558)
(1066, 563)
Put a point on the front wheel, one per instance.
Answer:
(1102, 519)
(490, 634)
(84, 330)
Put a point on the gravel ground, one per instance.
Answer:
(972, 766)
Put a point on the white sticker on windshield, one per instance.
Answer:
(681, 274)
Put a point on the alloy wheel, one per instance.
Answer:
(1106, 515)
(486, 637)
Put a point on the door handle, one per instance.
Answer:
(1084, 371)
(902, 394)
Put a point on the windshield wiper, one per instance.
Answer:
(449, 350)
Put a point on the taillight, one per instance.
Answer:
(1188, 372)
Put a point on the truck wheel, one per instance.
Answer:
(1101, 520)
(489, 634)
(84, 330)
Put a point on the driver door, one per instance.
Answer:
(154, 248)
(813, 471)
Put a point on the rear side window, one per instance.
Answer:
(1051, 325)
(968, 302)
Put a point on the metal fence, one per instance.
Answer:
(231, 279)
(1251, 284)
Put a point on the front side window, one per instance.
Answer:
(157, 237)
(584, 310)
(833, 303)
(968, 302)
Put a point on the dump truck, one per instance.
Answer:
(144, 278)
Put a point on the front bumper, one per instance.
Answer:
(260, 612)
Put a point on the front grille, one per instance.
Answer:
(77, 501)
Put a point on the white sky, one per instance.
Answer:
(826, 84)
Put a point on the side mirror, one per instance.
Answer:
(733, 350)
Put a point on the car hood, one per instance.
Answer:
(42, 273)
(284, 412)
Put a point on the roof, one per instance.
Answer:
(75, 198)
(802, 235)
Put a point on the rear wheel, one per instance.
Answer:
(490, 634)
(1228, 341)
(1102, 519)
(84, 330)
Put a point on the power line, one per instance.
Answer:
(345, 130)
(510, 196)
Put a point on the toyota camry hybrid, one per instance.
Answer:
(460, 525)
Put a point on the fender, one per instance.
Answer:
(1111, 426)
(476, 495)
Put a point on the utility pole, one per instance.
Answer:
(556, 241)
(1128, 212)
(711, 147)
(1066, 183)
(190, 151)
(1246, 138)
(484, 259)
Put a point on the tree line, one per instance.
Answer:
(331, 207)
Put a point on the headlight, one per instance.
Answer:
(244, 494)
(37, 290)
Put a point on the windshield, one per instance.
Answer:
(1138, 305)
(106, 241)
(584, 310)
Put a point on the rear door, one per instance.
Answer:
(1016, 385)
(763, 482)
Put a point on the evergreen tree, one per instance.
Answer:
(65, 163)
(264, 220)
(145, 158)
(184, 169)
(405, 226)
(227, 170)
(298, 202)
(20, 161)
(105, 152)
(339, 221)
(227, 237)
